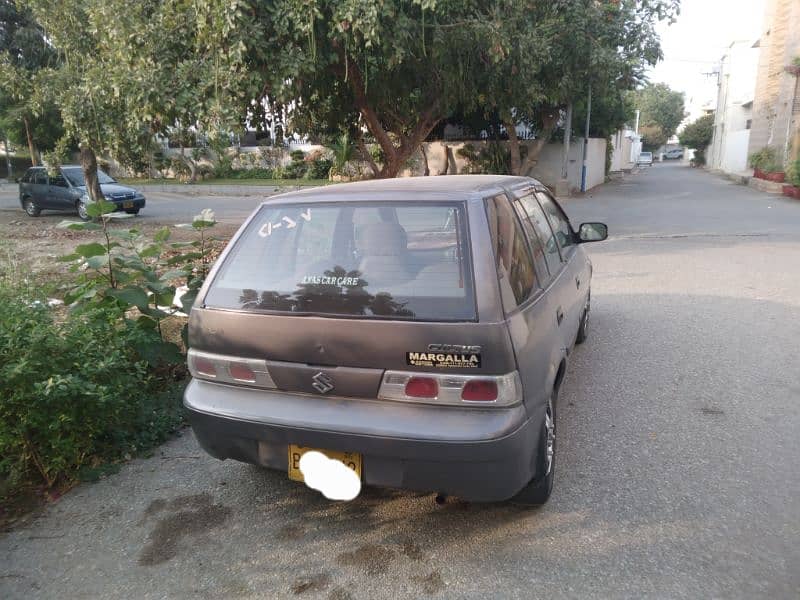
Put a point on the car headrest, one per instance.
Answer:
(383, 239)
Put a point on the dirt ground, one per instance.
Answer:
(34, 245)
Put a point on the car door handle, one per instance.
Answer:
(559, 315)
(578, 282)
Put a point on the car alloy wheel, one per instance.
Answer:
(31, 208)
(550, 442)
(83, 211)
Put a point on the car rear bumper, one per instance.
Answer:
(475, 454)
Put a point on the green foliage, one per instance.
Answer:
(793, 172)
(493, 157)
(128, 271)
(319, 168)
(698, 134)
(343, 149)
(73, 390)
(662, 111)
(766, 160)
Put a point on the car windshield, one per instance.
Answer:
(75, 176)
(392, 260)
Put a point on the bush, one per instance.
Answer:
(793, 173)
(319, 168)
(73, 391)
(766, 160)
(294, 170)
(297, 155)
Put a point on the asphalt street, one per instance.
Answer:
(677, 467)
(165, 207)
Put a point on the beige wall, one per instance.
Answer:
(776, 109)
(547, 169)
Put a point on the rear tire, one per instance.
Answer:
(30, 207)
(539, 489)
(583, 328)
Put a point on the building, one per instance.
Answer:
(627, 145)
(776, 106)
(733, 117)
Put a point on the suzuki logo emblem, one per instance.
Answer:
(323, 382)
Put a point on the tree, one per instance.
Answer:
(398, 68)
(557, 51)
(27, 116)
(662, 111)
(129, 70)
(697, 135)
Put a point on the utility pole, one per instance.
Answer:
(586, 140)
(567, 139)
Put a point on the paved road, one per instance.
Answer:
(165, 207)
(677, 473)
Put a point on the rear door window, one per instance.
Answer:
(513, 260)
(399, 260)
(40, 177)
(539, 223)
(559, 222)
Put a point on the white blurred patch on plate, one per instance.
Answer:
(330, 477)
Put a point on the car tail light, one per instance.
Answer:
(229, 369)
(479, 390)
(422, 387)
(446, 389)
(205, 367)
(241, 372)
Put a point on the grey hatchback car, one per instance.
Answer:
(40, 190)
(416, 329)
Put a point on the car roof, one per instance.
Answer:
(454, 187)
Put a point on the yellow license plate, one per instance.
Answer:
(127, 205)
(350, 459)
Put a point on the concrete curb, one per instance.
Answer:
(217, 190)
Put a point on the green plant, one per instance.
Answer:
(135, 278)
(793, 173)
(297, 155)
(343, 149)
(766, 160)
(319, 168)
(74, 391)
(493, 157)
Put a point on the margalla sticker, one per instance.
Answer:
(441, 356)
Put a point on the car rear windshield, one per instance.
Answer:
(398, 260)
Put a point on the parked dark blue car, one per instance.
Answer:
(40, 191)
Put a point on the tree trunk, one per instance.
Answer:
(396, 156)
(549, 122)
(31, 147)
(513, 146)
(446, 165)
(89, 166)
(427, 170)
(365, 155)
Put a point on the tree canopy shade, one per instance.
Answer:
(662, 111)
(400, 67)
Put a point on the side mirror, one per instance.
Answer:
(593, 232)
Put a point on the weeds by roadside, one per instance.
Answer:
(98, 380)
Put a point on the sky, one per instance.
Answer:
(697, 41)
